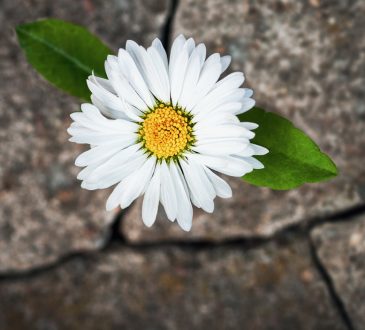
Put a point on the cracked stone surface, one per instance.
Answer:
(341, 249)
(305, 60)
(270, 287)
(44, 214)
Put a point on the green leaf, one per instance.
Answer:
(293, 158)
(64, 53)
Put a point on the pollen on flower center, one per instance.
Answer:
(166, 131)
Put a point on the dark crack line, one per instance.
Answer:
(349, 214)
(193, 246)
(335, 298)
(166, 31)
(296, 228)
(37, 271)
(116, 234)
(242, 243)
(116, 238)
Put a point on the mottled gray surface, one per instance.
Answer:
(305, 60)
(341, 249)
(44, 214)
(271, 287)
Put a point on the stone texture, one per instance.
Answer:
(44, 214)
(341, 249)
(270, 287)
(305, 60)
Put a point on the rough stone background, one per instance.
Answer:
(304, 60)
(341, 249)
(264, 259)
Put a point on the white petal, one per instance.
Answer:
(257, 165)
(105, 110)
(168, 195)
(93, 138)
(184, 207)
(223, 131)
(148, 70)
(89, 186)
(85, 135)
(219, 103)
(161, 72)
(161, 50)
(247, 152)
(109, 178)
(176, 48)
(247, 104)
(221, 93)
(221, 187)
(248, 92)
(189, 45)
(232, 165)
(217, 147)
(225, 61)
(84, 173)
(91, 118)
(116, 104)
(105, 83)
(248, 125)
(258, 150)
(125, 90)
(94, 155)
(236, 167)
(151, 199)
(210, 161)
(199, 185)
(213, 58)
(191, 78)
(107, 98)
(113, 200)
(131, 72)
(217, 118)
(177, 75)
(136, 182)
(117, 161)
(233, 80)
(208, 77)
(202, 51)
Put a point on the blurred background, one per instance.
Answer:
(264, 259)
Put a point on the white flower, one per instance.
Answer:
(160, 127)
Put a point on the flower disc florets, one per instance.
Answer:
(167, 131)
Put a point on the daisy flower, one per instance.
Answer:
(162, 127)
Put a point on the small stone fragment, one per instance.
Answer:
(341, 249)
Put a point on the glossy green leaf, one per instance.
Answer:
(64, 53)
(293, 158)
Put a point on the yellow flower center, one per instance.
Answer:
(166, 131)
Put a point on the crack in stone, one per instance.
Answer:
(166, 31)
(344, 215)
(117, 238)
(326, 278)
(37, 271)
(116, 234)
(300, 227)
